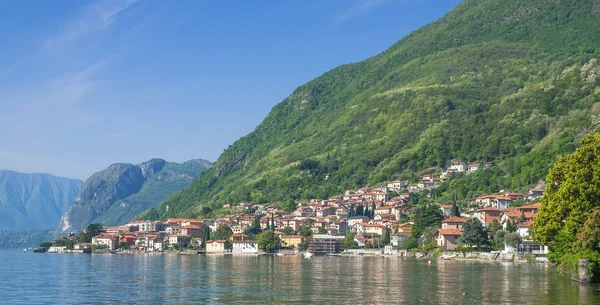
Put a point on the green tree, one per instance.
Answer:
(499, 239)
(305, 231)
(352, 211)
(64, 242)
(268, 241)
(573, 190)
(409, 243)
(494, 227)
(289, 206)
(322, 230)
(386, 236)
(205, 236)
(588, 237)
(223, 232)
(511, 226)
(512, 239)
(93, 229)
(427, 241)
(360, 210)
(123, 245)
(349, 242)
(288, 230)
(46, 244)
(474, 234)
(455, 211)
(426, 216)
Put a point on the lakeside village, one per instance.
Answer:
(368, 220)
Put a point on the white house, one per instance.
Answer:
(523, 229)
(111, 241)
(244, 247)
(474, 167)
(458, 166)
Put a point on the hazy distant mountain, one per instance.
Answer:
(120, 192)
(34, 201)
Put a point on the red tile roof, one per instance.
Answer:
(453, 232)
(454, 219)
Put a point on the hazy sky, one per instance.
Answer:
(84, 84)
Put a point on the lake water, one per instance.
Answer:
(34, 278)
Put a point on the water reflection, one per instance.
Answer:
(194, 279)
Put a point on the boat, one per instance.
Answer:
(308, 254)
(279, 254)
(24, 250)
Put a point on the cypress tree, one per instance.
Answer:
(455, 211)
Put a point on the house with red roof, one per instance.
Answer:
(448, 238)
(453, 222)
(487, 215)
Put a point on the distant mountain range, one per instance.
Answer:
(120, 192)
(34, 201)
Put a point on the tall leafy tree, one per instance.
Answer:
(360, 210)
(511, 226)
(571, 198)
(455, 211)
(512, 239)
(426, 216)
(349, 242)
(268, 241)
(386, 236)
(223, 232)
(474, 234)
(93, 229)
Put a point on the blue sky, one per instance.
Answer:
(84, 84)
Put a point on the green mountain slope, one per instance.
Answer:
(34, 201)
(515, 82)
(118, 193)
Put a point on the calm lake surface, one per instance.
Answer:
(34, 278)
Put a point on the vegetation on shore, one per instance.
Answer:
(569, 218)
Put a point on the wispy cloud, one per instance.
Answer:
(96, 17)
(360, 8)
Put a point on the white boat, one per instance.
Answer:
(279, 254)
(24, 250)
(308, 254)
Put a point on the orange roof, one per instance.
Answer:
(454, 219)
(192, 227)
(526, 224)
(453, 232)
(532, 206)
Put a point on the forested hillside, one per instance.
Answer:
(514, 82)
